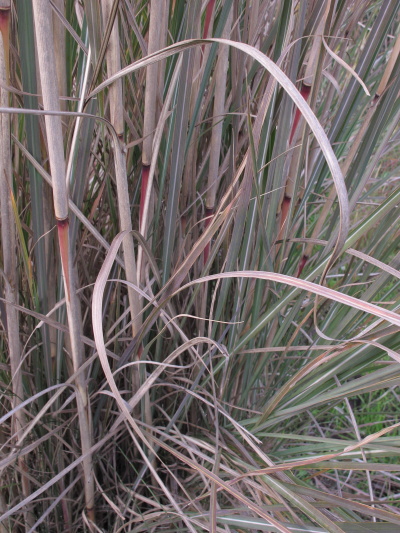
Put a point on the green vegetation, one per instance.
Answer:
(199, 266)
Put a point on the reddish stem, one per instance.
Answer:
(209, 11)
(63, 239)
(143, 190)
(284, 213)
(305, 93)
(4, 29)
(302, 264)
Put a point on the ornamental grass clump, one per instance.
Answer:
(199, 265)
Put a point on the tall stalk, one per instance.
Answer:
(45, 287)
(48, 77)
(117, 120)
(59, 52)
(9, 244)
(150, 98)
(154, 80)
(214, 176)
